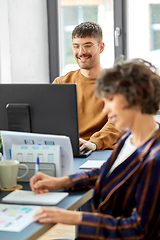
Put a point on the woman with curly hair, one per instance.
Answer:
(126, 199)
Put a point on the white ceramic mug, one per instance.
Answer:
(9, 173)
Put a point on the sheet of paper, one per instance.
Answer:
(92, 164)
(29, 197)
(14, 218)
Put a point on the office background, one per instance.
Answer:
(35, 35)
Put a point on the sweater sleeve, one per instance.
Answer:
(107, 137)
(58, 80)
(144, 218)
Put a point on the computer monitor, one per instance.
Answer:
(41, 108)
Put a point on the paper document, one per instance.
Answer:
(92, 164)
(29, 197)
(14, 218)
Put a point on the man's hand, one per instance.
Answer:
(87, 145)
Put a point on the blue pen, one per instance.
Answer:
(36, 168)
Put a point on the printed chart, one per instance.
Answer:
(15, 218)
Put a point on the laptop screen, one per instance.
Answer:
(41, 108)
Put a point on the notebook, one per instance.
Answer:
(92, 164)
(29, 197)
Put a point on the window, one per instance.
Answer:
(72, 16)
(73, 13)
(143, 30)
(155, 26)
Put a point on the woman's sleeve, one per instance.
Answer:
(144, 219)
(85, 179)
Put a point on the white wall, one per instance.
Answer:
(5, 68)
(23, 41)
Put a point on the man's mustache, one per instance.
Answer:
(84, 55)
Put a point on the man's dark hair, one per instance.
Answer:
(137, 80)
(87, 29)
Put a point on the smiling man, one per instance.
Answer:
(95, 129)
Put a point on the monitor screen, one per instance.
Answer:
(41, 108)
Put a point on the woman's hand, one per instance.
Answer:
(44, 183)
(58, 215)
(87, 145)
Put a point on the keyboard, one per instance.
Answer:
(85, 153)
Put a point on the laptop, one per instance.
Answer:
(41, 108)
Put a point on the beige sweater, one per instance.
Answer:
(94, 125)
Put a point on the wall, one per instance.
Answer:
(23, 41)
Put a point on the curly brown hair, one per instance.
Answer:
(88, 29)
(137, 80)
